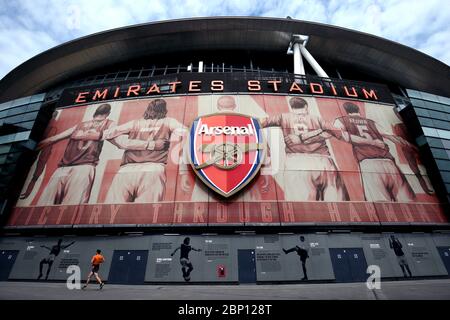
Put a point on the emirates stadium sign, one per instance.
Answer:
(214, 83)
(226, 151)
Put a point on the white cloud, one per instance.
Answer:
(29, 27)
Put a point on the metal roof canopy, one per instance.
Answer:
(337, 46)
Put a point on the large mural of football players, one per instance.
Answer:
(410, 151)
(43, 157)
(308, 160)
(71, 183)
(373, 155)
(141, 177)
(326, 160)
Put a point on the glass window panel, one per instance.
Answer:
(439, 153)
(429, 96)
(22, 135)
(438, 107)
(418, 103)
(5, 148)
(444, 100)
(445, 134)
(445, 125)
(26, 125)
(6, 105)
(430, 132)
(413, 93)
(422, 112)
(17, 110)
(7, 138)
(426, 122)
(21, 101)
(437, 115)
(443, 164)
(22, 117)
(37, 98)
(445, 143)
(445, 176)
(34, 107)
(13, 119)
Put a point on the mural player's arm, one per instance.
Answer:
(324, 129)
(121, 141)
(54, 139)
(118, 136)
(396, 139)
(272, 121)
(276, 121)
(86, 135)
(45, 247)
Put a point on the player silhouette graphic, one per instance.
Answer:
(54, 252)
(302, 252)
(186, 265)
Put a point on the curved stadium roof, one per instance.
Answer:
(342, 47)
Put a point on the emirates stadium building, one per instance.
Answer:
(226, 150)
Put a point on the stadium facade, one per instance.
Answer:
(323, 150)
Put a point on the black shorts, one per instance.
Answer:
(95, 268)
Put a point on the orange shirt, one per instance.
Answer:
(97, 259)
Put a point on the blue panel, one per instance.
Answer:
(7, 259)
(445, 256)
(128, 267)
(247, 266)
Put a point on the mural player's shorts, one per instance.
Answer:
(312, 172)
(138, 182)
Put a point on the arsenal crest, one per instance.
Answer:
(226, 150)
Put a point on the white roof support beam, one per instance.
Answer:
(298, 49)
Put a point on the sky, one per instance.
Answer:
(29, 27)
